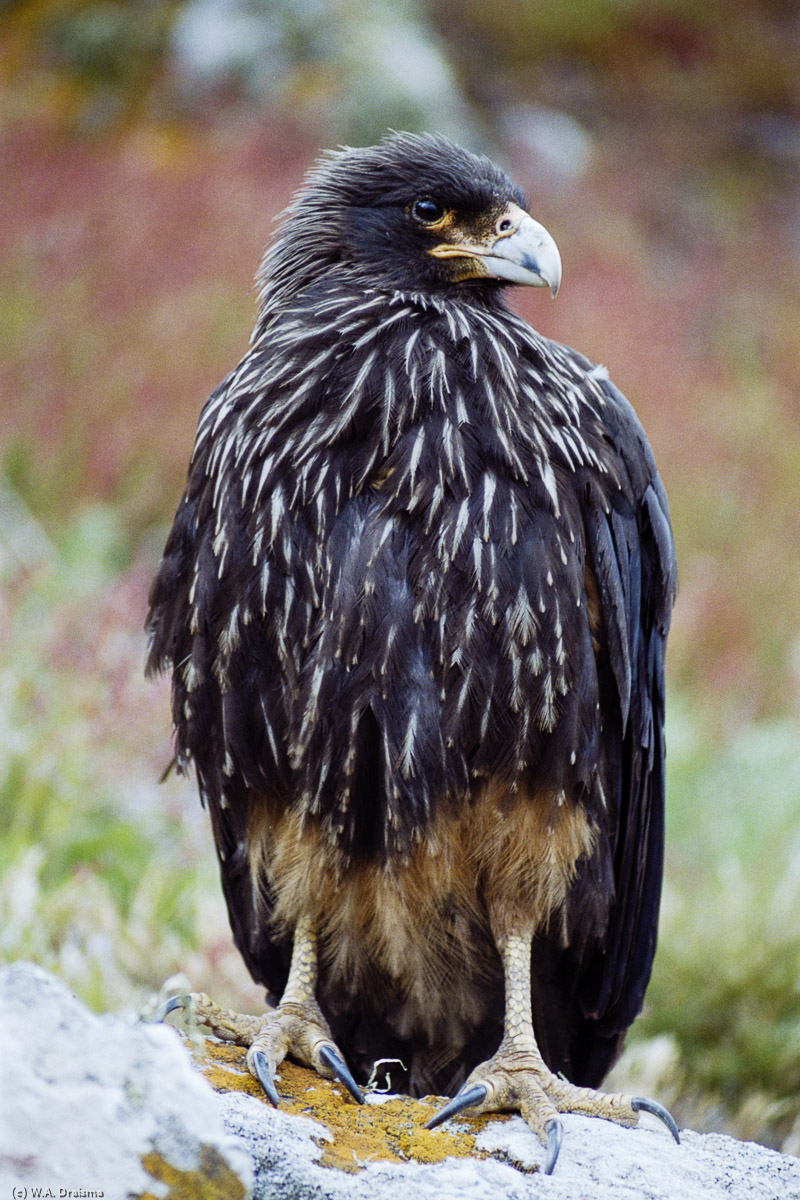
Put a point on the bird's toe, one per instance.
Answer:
(514, 1081)
(258, 1062)
(299, 1031)
(466, 1098)
(205, 1013)
(511, 1082)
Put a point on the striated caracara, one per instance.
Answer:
(415, 603)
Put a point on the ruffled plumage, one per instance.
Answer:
(423, 551)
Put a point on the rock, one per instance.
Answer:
(96, 1106)
(598, 1161)
(93, 1104)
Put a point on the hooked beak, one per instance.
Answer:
(523, 252)
(520, 250)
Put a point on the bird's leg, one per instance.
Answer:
(296, 1027)
(516, 1077)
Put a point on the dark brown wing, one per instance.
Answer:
(218, 695)
(586, 995)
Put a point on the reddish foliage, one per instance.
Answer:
(132, 264)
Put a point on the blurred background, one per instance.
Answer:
(145, 150)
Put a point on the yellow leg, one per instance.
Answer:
(297, 1027)
(516, 1078)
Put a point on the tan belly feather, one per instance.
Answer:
(419, 923)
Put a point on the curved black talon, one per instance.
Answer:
(182, 1001)
(555, 1131)
(639, 1103)
(340, 1071)
(463, 1099)
(260, 1064)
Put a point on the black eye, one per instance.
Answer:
(427, 211)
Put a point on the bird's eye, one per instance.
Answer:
(427, 211)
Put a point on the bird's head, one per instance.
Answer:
(415, 213)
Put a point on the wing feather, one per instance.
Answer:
(631, 552)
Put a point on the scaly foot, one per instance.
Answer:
(292, 1029)
(296, 1027)
(517, 1078)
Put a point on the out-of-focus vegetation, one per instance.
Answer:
(105, 877)
(720, 1036)
(144, 151)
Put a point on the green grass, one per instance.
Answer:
(726, 984)
(98, 878)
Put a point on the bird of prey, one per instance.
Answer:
(415, 602)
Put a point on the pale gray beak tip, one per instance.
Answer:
(528, 256)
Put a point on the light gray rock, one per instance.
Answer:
(598, 1161)
(87, 1103)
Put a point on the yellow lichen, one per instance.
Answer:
(393, 1131)
(213, 1179)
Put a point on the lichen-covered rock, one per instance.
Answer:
(388, 1128)
(93, 1106)
(598, 1161)
(382, 1151)
(96, 1106)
